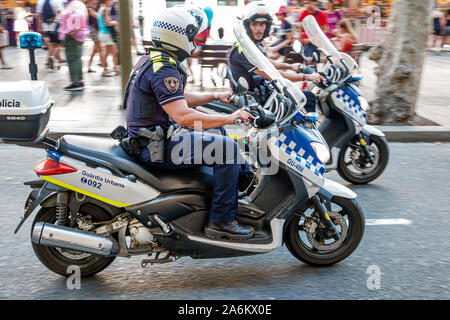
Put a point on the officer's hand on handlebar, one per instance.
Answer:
(240, 116)
(316, 78)
(224, 97)
(296, 67)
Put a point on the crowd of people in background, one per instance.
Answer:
(68, 24)
(98, 20)
(331, 20)
(440, 22)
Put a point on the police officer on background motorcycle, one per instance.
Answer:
(160, 117)
(257, 22)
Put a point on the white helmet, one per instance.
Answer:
(257, 11)
(175, 28)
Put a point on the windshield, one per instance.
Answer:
(318, 38)
(259, 60)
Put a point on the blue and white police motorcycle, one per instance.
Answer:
(359, 151)
(92, 203)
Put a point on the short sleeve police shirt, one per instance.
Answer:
(241, 67)
(165, 81)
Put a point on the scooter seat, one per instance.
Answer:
(109, 150)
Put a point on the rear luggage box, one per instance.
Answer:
(24, 111)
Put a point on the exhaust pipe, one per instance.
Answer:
(52, 235)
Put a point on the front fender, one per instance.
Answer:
(371, 130)
(331, 189)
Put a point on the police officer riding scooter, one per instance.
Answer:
(161, 119)
(257, 22)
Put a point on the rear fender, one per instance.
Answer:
(46, 196)
(36, 198)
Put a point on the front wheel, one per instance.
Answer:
(306, 238)
(355, 167)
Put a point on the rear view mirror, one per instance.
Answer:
(242, 86)
(297, 46)
(225, 73)
(315, 57)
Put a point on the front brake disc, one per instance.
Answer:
(356, 160)
(338, 221)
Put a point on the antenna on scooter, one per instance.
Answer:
(31, 41)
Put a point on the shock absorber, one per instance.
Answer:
(62, 214)
(330, 228)
(365, 148)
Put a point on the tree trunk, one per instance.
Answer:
(400, 60)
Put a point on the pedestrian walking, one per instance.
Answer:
(20, 21)
(4, 37)
(92, 6)
(284, 36)
(73, 31)
(447, 29)
(346, 36)
(49, 12)
(312, 8)
(334, 17)
(438, 23)
(105, 29)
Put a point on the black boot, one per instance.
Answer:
(231, 230)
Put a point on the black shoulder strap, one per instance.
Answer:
(144, 63)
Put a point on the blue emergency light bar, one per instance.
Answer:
(30, 40)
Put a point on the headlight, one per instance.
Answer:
(364, 104)
(321, 151)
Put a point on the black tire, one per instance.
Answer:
(57, 262)
(383, 150)
(313, 257)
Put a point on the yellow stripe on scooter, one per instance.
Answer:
(90, 194)
(234, 136)
(362, 142)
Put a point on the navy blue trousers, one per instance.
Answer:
(188, 149)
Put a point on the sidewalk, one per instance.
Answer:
(97, 108)
(433, 102)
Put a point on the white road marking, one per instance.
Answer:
(382, 222)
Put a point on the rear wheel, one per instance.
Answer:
(305, 235)
(355, 167)
(58, 259)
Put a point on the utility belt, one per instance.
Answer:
(153, 138)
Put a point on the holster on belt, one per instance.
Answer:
(155, 145)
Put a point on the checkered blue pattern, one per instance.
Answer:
(351, 103)
(168, 26)
(308, 160)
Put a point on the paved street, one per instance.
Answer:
(413, 258)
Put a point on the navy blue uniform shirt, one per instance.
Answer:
(162, 81)
(241, 67)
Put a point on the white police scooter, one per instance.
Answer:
(359, 152)
(93, 203)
